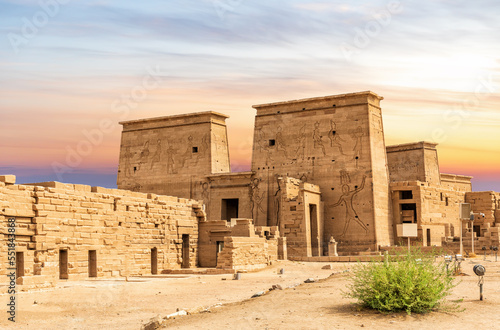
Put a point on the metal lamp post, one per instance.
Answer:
(479, 270)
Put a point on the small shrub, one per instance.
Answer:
(413, 283)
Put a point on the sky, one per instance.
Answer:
(71, 70)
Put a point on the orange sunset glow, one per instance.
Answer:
(67, 83)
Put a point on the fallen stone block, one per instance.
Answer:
(258, 294)
(153, 324)
(179, 313)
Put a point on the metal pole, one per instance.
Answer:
(461, 244)
(481, 280)
(472, 231)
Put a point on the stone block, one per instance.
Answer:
(8, 179)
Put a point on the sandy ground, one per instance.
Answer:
(112, 304)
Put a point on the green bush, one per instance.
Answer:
(413, 283)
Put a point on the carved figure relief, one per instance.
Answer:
(277, 200)
(280, 141)
(344, 177)
(157, 155)
(204, 143)
(188, 154)
(137, 188)
(301, 142)
(335, 139)
(256, 199)
(318, 139)
(263, 143)
(170, 160)
(126, 163)
(145, 152)
(347, 199)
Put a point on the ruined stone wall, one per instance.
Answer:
(226, 187)
(335, 142)
(121, 226)
(302, 229)
(247, 253)
(173, 155)
(213, 235)
(486, 228)
(487, 202)
(436, 208)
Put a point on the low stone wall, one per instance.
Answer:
(247, 253)
(68, 231)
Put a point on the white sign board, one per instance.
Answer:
(465, 209)
(407, 230)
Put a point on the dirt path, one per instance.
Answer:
(321, 306)
(119, 304)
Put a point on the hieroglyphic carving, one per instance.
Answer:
(347, 199)
(318, 139)
(358, 146)
(334, 137)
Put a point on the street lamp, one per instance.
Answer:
(479, 270)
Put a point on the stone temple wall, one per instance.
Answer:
(67, 231)
(337, 143)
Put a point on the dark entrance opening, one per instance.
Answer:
(220, 246)
(92, 263)
(229, 209)
(19, 264)
(406, 194)
(313, 216)
(63, 265)
(428, 237)
(185, 251)
(409, 213)
(154, 261)
(477, 231)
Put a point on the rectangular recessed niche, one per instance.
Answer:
(406, 194)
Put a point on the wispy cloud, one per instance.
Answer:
(426, 62)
